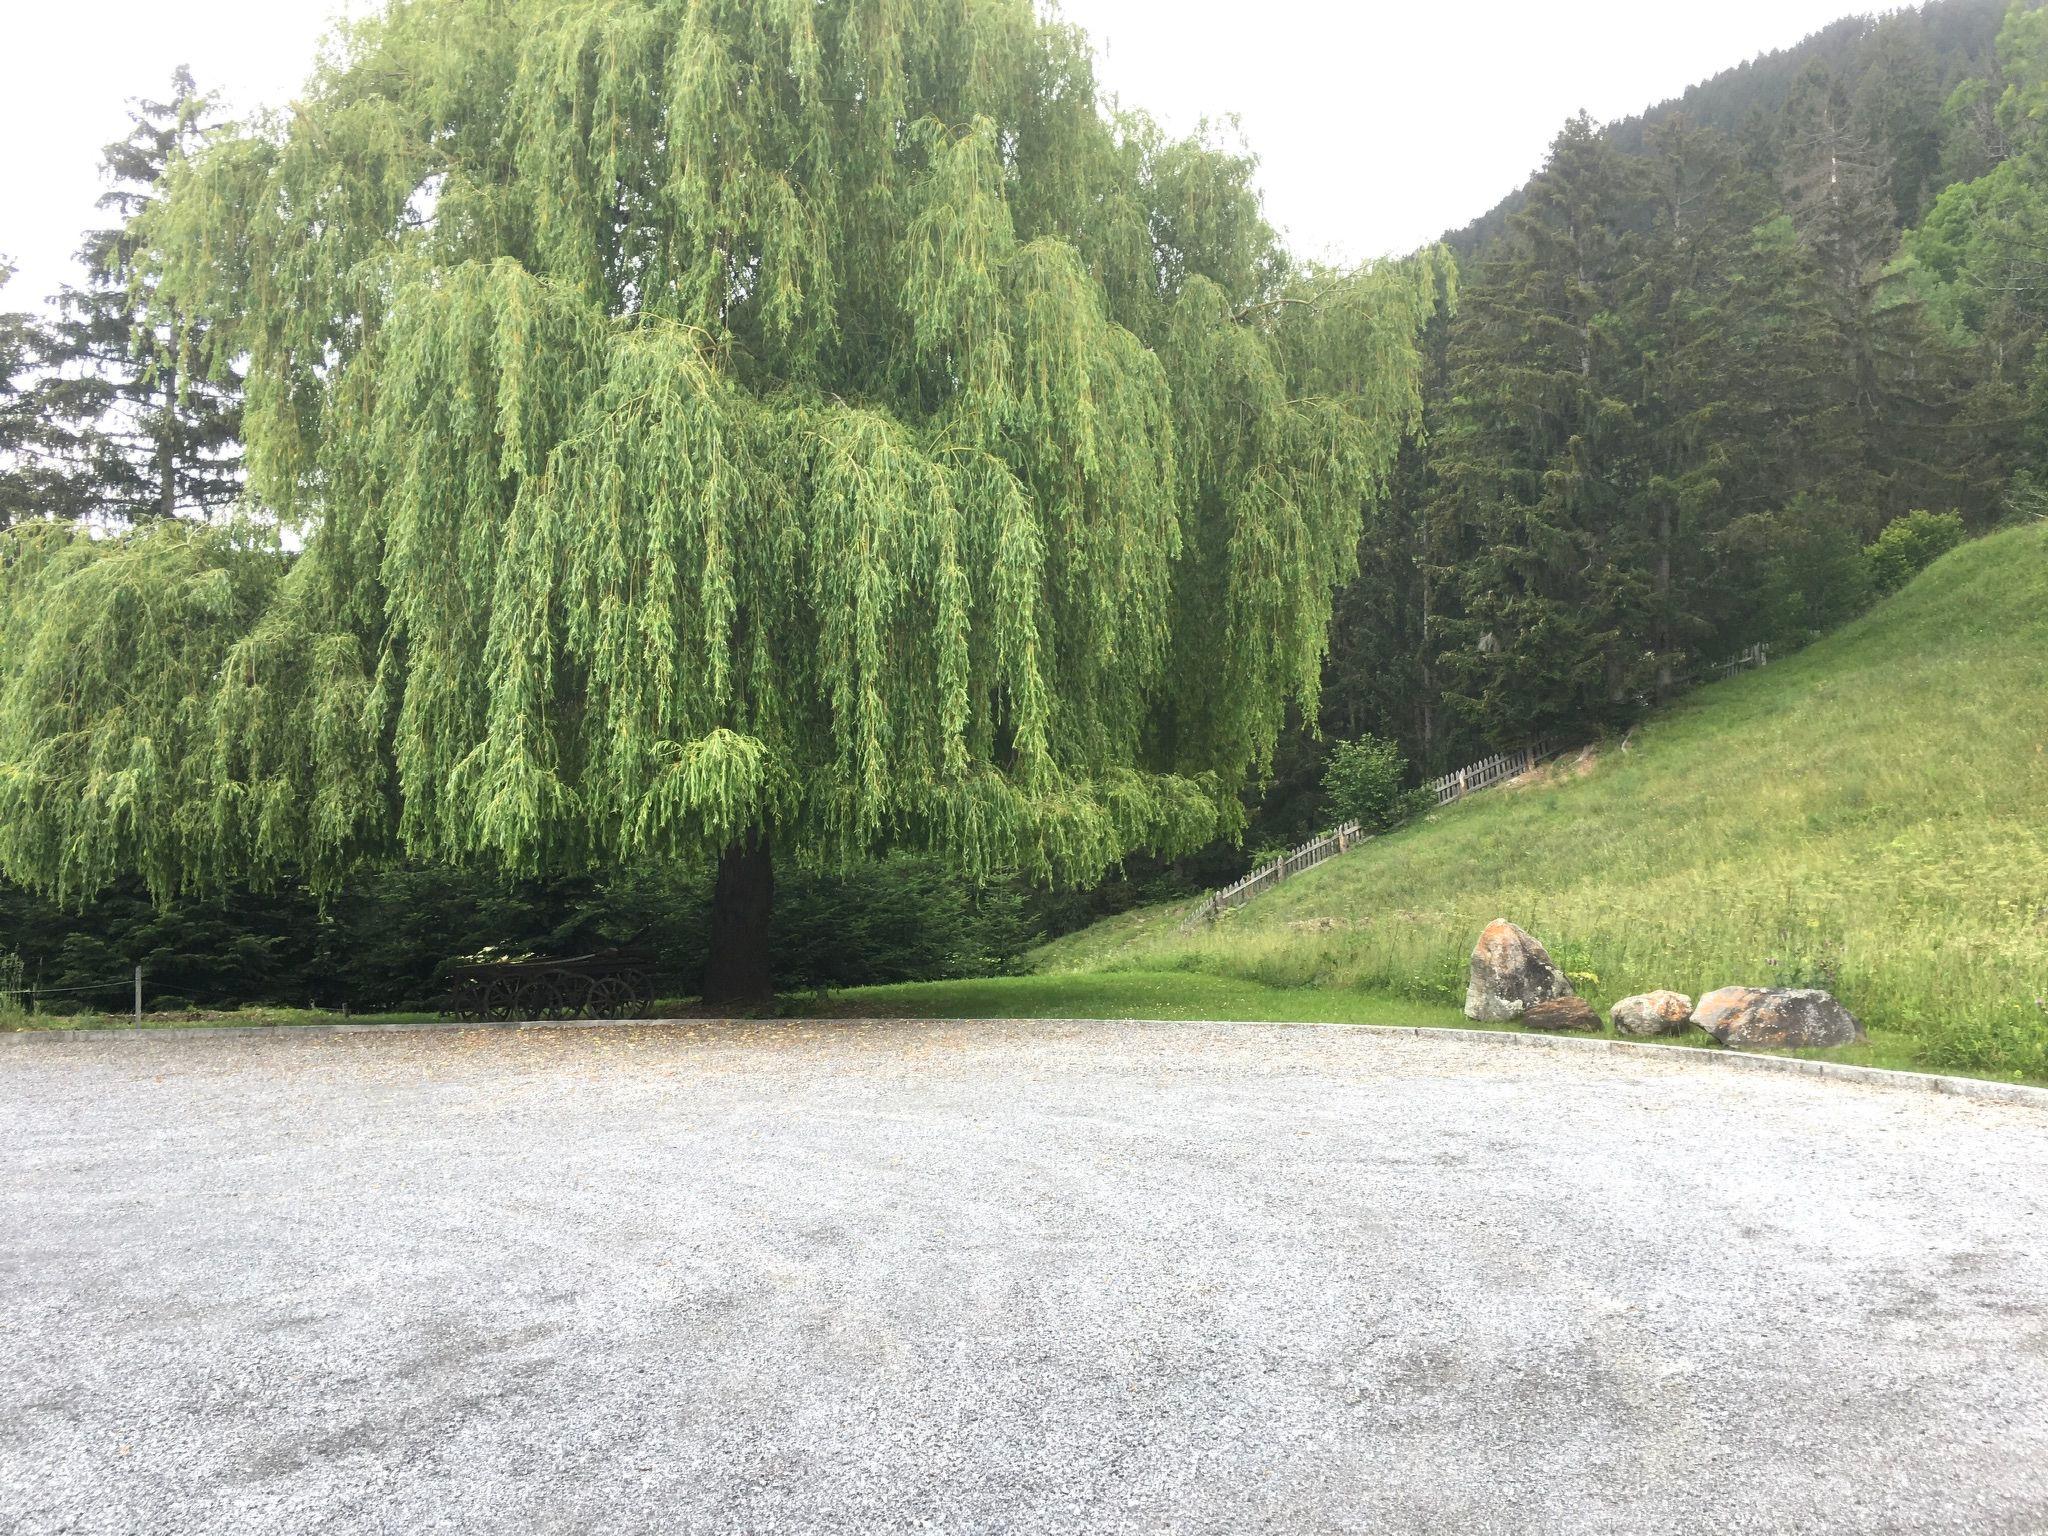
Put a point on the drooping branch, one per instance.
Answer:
(722, 455)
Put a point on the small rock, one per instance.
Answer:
(1777, 1019)
(1510, 971)
(1564, 1015)
(1653, 1013)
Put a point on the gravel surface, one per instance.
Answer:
(1006, 1277)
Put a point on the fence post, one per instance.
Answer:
(138, 996)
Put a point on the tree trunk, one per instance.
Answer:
(167, 448)
(739, 972)
(1666, 638)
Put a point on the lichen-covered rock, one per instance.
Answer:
(1564, 1015)
(1653, 1014)
(1777, 1019)
(1510, 972)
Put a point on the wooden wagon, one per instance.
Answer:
(601, 986)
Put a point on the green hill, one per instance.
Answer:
(1870, 815)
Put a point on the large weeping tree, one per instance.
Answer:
(737, 430)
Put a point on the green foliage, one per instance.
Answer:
(1651, 385)
(1872, 811)
(25, 481)
(1804, 568)
(110, 653)
(1367, 781)
(13, 993)
(901, 919)
(704, 417)
(1978, 256)
(46, 468)
(385, 941)
(1909, 545)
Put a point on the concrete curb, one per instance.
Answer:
(1977, 1089)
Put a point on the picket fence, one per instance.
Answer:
(1755, 656)
(1484, 774)
(1307, 856)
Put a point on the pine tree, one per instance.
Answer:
(1893, 371)
(20, 491)
(1898, 105)
(1541, 459)
(1677, 314)
(152, 408)
(1381, 678)
(1838, 187)
(729, 431)
(38, 477)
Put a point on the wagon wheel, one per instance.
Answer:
(614, 997)
(537, 999)
(500, 1000)
(466, 1000)
(572, 998)
(571, 995)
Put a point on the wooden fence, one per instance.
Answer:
(1755, 656)
(1259, 881)
(1485, 774)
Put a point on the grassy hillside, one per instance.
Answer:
(1870, 815)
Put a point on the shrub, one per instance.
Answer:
(1367, 782)
(908, 917)
(1809, 568)
(1909, 545)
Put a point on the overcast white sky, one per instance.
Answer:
(1381, 123)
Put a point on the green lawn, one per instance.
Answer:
(1870, 815)
(1170, 995)
(1121, 994)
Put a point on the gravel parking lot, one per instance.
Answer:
(1006, 1277)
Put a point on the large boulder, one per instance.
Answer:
(1777, 1019)
(1510, 971)
(1653, 1014)
(1564, 1015)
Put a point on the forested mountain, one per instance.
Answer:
(1901, 70)
(1700, 382)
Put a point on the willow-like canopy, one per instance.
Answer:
(718, 423)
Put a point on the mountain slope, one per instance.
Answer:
(1954, 39)
(1869, 815)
